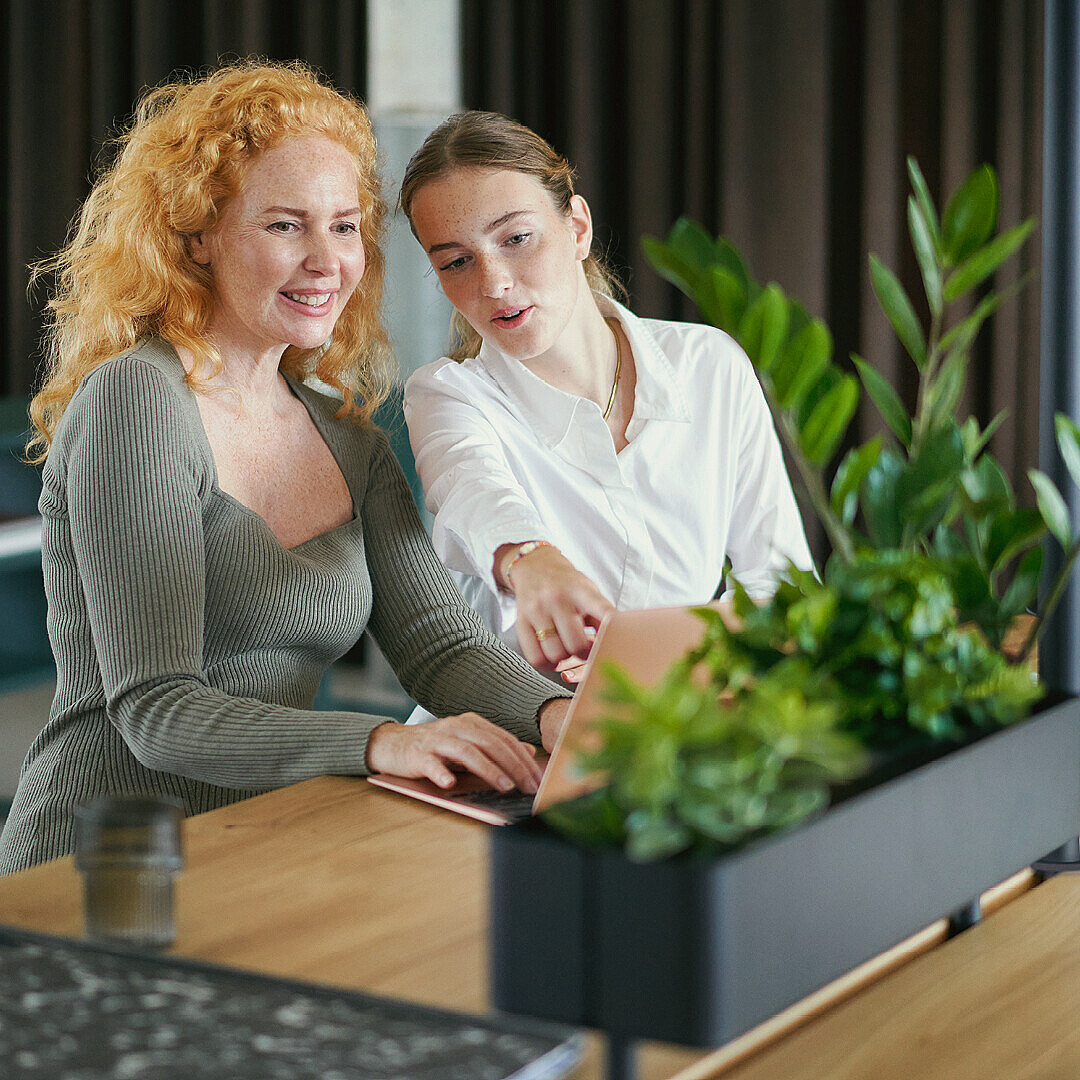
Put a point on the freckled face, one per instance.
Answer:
(506, 258)
(286, 254)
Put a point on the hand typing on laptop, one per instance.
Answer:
(645, 643)
(466, 742)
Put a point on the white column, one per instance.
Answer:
(414, 83)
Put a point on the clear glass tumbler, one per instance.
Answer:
(128, 851)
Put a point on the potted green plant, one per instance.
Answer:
(869, 750)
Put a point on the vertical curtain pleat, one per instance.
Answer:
(785, 125)
(74, 71)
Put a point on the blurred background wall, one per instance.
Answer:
(782, 123)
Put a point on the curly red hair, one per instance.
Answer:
(127, 271)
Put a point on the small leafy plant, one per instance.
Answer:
(900, 637)
(694, 771)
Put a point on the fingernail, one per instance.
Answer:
(505, 783)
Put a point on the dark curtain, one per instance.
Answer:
(785, 124)
(73, 71)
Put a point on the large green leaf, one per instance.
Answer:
(729, 258)
(721, 298)
(898, 310)
(925, 487)
(987, 487)
(826, 425)
(691, 242)
(969, 582)
(886, 399)
(924, 508)
(798, 316)
(926, 204)
(1024, 587)
(1068, 440)
(1052, 507)
(945, 390)
(926, 254)
(829, 378)
(851, 472)
(669, 264)
(879, 500)
(970, 216)
(940, 460)
(1010, 533)
(800, 363)
(764, 327)
(984, 261)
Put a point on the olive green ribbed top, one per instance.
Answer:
(189, 642)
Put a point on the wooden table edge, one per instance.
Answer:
(811, 1007)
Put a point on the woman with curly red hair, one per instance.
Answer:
(215, 531)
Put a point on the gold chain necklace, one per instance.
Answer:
(618, 368)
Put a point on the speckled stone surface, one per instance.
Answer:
(71, 1011)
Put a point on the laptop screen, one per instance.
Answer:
(646, 643)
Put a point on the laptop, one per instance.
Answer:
(646, 643)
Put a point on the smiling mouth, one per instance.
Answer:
(309, 299)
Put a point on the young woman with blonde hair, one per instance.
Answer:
(215, 532)
(575, 457)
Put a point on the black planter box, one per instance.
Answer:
(699, 951)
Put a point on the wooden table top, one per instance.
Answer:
(336, 881)
(313, 882)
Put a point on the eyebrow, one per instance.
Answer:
(490, 227)
(294, 212)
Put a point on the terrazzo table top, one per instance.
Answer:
(74, 1011)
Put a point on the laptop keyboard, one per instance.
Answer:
(515, 805)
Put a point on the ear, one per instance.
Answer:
(581, 225)
(198, 248)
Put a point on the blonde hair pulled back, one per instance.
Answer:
(490, 140)
(127, 270)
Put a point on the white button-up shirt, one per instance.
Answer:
(505, 457)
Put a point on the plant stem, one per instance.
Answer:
(926, 378)
(810, 477)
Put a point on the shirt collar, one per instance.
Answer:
(657, 396)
